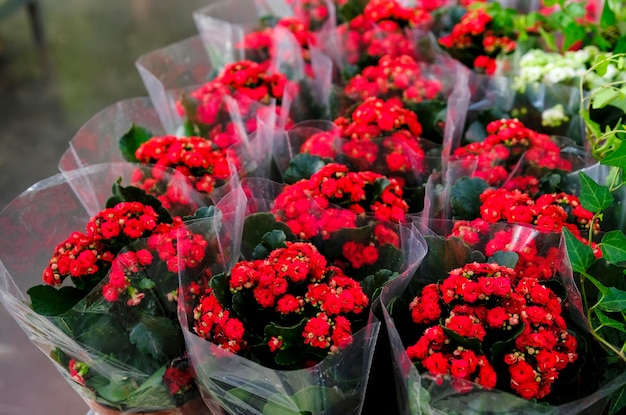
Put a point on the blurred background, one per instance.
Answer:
(79, 59)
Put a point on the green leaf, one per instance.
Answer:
(157, 337)
(548, 38)
(500, 348)
(115, 391)
(134, 194)
(617, 401)
(607, 321)
(221, 289)
(48, 301)
(594, 197)
(379, 187)
(573, 32)
(472, 343)
(131, 140)
(505, 258)
(616, 158)
(257, 225)
(465, 197)
(152, 392)
(580, 255)
(372, 284)
(274, 239)
(146, 284)
(613, 247)
(614, 301)
(605, 97)
(607, 18)
(302, 166)
(309, 400)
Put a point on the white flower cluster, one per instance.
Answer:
(538, 66)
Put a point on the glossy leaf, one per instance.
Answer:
(131, 140)
(614, 247)
(607, 321)
(505, 258)
(580, 255)
(613, 301)
(156, 336)
(49, 301)
(257, 225)
(593, 196)
(465, 197)
(302, 166)
(617, 158)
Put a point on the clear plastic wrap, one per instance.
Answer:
(423, 393)
(335, 385)
(89, 341)
(97, 141)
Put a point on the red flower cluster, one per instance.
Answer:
(381, 136)
(249, 84)
(296, 284)
(380, 30)
(532, 261)
(86, 254)
(262, 43)
(474, 35)
(333, 198)
(205, 165)
(394, 77)
(507, 141)
(490, 303)
(549, 212)
(314, 12)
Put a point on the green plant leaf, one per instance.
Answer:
(573, 32)
(505, 258)
(613, 301)
(307, 401)
(548, 38)
(594, 197)
(48, 301)
(580, 255)
(500, 348)
(302, 166)
(472, 343)
(221, 289)
(152, 392)
(605, 97)
(465, 197)
(372, 284)
(131, 140)
(115, 391)
(616, 158)
(614, 247)
(157, 337)
(607, 321)
(617, 401)
(135, 194)
(257, 225)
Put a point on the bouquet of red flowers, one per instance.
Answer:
(114, 332)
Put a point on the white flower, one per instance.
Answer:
(554, 117)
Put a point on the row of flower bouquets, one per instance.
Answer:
(341, 220)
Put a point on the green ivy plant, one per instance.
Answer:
(602, 281)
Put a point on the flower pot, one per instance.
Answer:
(193, 407)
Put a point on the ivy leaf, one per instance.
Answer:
(302, 166)
(131, 140)
(613, 247)
(48, 301)
(465, 197)
(617, 158)
(580, 255)
(607, 321)
(505, 258)
(613, 300)
(156, 336)
(605, 97)
(594, 197)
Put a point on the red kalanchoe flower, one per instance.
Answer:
(491, 303)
